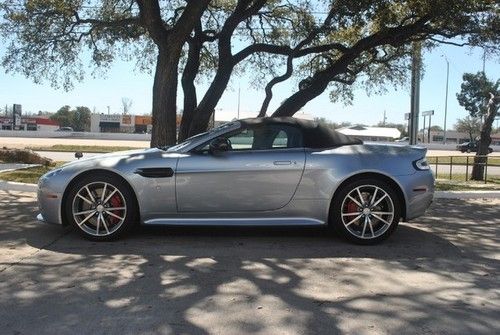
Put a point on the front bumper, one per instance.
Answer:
(49, 203)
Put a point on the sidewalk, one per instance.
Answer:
(6, 167)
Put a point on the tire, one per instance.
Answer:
(360, 224)
(468, 151)
(89, 212)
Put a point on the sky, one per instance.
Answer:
(122, 80)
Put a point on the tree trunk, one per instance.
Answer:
(484, 142)
(298, 100)
(188, 77)
(316, 85)
(164, 98)
(207, 105)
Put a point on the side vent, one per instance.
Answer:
(155, 172)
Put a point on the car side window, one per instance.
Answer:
(276, 136)
(263, 137)
(242, 140)
(281, 140)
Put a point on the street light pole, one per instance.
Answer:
(446, 98)
(415, 93)
(239, 92)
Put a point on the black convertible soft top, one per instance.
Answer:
(315, 135)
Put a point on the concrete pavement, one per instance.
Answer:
(438, 274)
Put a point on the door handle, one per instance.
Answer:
(282, 163)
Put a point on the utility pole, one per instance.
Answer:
(446, 98)
(415, 93)
(429, 131)
(239, 92)
(423, 131)
(429, 113)
(108, 110)
(385, 118)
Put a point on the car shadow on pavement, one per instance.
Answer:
(200, 280)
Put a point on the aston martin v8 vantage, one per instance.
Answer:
(251, 172)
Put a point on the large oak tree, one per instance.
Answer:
(321, 45)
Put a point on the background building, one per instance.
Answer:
(29, 123)
(455, 137)
(123, 123)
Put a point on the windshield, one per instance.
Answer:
(189, 140)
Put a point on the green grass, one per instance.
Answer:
(493, 160)
(458, 183)
(82, 148)
(29, 175)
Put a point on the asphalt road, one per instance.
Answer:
(437, 275)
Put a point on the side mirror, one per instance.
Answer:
(78, 155)
(219, 145)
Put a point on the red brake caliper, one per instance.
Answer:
(352, 207)
(115, 201)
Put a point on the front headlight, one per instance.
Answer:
(421, 164)
(51, 173)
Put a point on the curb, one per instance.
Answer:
(23, 187)
(14, 186)
(467, 195)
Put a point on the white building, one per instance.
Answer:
(112, 123)
(455, 137)
(373, 134)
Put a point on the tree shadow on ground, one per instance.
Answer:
(240, 280)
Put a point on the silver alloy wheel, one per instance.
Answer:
(367, 211)
(99, 209)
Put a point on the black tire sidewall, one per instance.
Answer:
(125, 190)
(336, 211)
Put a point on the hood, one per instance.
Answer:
(111, 155)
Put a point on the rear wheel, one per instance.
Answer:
(366, 211)
(100, 207)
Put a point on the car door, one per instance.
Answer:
(259, 173)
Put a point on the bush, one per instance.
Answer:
(23, 156)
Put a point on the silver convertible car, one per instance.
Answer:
(252, 172)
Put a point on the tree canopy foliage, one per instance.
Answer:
(470, 125)
(480, 97)
(78, 118)
(321, 46)
(475, 92)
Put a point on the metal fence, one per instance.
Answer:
(450, 165)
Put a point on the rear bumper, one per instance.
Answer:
(419, 189)
(419, 205)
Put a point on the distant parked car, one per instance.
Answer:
(470, 147)
(65, 129)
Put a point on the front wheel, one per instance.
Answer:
(100, 207)
(365, 211)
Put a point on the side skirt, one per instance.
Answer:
(283, 221)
